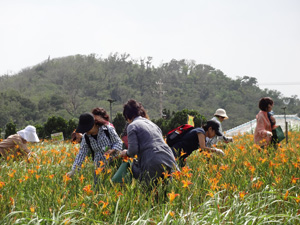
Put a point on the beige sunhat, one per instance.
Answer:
(222, 113)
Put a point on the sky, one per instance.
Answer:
(255, 38)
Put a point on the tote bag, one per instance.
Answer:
(278, 135)
(123, 174)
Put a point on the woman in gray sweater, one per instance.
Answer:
(146, 141)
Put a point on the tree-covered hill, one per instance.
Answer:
(72, 85)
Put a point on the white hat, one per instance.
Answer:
(221, 112)
(29, 134)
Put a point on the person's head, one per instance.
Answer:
(266, 104)
(211, 129)
(101, 116)
(29, 134)
(221, 114)
(133, 109)
(87, 124)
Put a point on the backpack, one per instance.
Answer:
(87, 140)
(176, 134)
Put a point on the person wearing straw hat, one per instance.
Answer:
(16, 144)
(98, 138)
(219, 116)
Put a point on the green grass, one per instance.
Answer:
(246, 186)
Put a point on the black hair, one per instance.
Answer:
(133, 109)
(264, 103)
(213, 124)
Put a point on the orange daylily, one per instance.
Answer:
(186, 183)
(99, 170)
(224, 167)
(176, 174)
(2, 184)
(286, 195)
(186, 169)
(32, 209)
(104, 204)
(166, 174)
(12, 201)
(66, 179)
(242, 194)
(81, 178)
(210, 194)
(87, 189)
(294, 180)
(172, 196)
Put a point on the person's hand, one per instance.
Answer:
(269, 134)
(229, 139)
(76, 137)
(219, 151)
(123, 153)
(109, 152)
(71, 173)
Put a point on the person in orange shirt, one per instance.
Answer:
(16, 144)
(264, 124)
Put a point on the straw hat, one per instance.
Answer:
(222, 113)
(29, 134)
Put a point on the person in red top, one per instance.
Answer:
(264, 125)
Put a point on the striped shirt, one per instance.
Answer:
(99, 146)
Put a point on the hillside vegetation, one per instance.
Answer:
(72, 85)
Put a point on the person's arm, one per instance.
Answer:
(261, 126)
(202, 145)
(79, 158)
(23, 149)
(116, 142)
(133, 143)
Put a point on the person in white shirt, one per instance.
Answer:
(219, 116)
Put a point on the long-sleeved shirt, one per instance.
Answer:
(146, 141)
(99, 146)
(263, 124)
(13, 145)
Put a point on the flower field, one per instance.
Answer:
(247, 186)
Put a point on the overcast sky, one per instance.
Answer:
(257, 38)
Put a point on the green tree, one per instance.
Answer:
(180, 118)
(40, 130)
(55, 124)
(119, 123)
(72, 124)
(10, 129)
